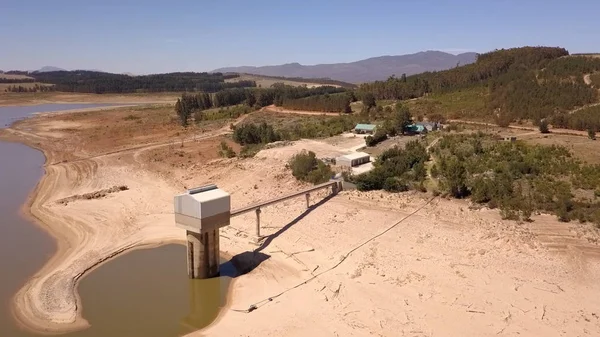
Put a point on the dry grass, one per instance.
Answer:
(4, 86)
(282, 120)
(467, 104)
(581, 147)
(15, 77)
(189, 156)
(100, 132)
(267, 82)
(12, 98)
(389, 143)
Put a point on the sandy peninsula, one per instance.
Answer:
(357, 264)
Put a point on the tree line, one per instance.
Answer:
(100, 82)
(192, 104)
(322, 103)
(17, 80)
(35, 88)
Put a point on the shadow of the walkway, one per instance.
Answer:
(246, 262)
(283, 229)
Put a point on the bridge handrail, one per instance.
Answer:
(261, 204)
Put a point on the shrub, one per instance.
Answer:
(131, 118)
(544, 126)
(377, 138)
(250, 150)
(306, 167)
(226, 151)
(255, 134)
(393, 184)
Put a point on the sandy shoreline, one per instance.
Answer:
(49, 301)
(445, 270)
(26, 309)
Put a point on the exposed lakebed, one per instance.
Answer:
(145, 292)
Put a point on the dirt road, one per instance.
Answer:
(273, 108)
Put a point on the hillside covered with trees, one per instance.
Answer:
(529, 83)
(193, 104)
(101, 82)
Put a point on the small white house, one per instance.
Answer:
(353, 159)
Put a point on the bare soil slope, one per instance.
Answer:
(358, 264)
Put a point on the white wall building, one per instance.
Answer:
(353, 159)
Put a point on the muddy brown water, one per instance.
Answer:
(143, 293)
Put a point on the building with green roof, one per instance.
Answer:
(365, 128)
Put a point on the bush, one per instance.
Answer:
(226, 151)
(544, 126)
(395, 167)
(131, 118)
(393, 184)
(377, 138)
(250, 150)
(255, 134)
(306, 167)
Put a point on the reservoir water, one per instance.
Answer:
(142, 293)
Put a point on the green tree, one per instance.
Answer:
(455, 177)
(251, 99)
(182, 112)
(368, 101)
(402, 118)
(306, 167)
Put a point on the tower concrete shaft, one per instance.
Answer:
(203, 254)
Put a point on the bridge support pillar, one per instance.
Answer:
(307, 200)
(203, 254)
(258, 237)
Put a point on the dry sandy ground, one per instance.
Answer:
(273, 108)
(11, 99)
(359, 264)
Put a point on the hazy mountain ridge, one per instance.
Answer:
(46, 69)
(367, 70)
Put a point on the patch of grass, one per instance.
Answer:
(595, 80)
(466, 103)
(131, 118)
(229, 112)
(250, 150)
(226, 151)
(294, 127)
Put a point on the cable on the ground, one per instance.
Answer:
(259, 304)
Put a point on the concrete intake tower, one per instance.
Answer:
(201, 212)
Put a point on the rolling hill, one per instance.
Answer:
(371, 69)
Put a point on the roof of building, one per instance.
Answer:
(426, 123)
(365, 126)
(355, 155)
(416, 127)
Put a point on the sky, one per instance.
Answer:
(151, 36)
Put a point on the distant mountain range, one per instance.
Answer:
(371, 69)
(48, 69)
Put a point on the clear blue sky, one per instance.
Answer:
(201, 35)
